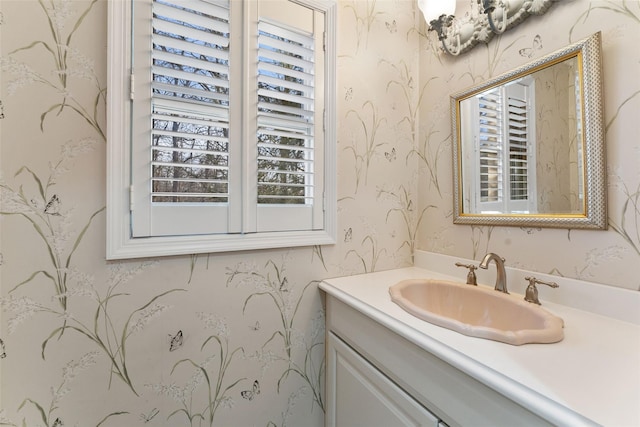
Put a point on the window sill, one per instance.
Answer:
(182, 245)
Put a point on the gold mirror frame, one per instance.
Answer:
(594, 216)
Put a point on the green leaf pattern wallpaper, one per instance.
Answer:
(598, 256)
(237, 339)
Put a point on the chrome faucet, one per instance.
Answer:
(531, 294)
(501, 275)
(471, 275)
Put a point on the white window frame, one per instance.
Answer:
(120, 243)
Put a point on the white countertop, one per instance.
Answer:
(594, 371)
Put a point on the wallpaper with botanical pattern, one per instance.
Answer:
(236, 339)
(606, 257)
(232, 339)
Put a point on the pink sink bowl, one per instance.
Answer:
(478, 312)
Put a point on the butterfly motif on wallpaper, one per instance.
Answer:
(3, 350)
(283, 285)
(53, 206)
(390, 155)
(348, 95)
(530, 230)
(410, 206)
(392, 26)
(1, 110)
(148, 417)
(251, 394)
(58, 423)
(528, 52)
(348, 235)
(255, 327)
(176, 341)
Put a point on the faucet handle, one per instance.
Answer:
(531, 295)
(471, 276)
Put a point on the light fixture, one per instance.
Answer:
(441, 20)
(486, 19)
(493, 11)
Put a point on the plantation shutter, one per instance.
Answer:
(182, 149)
(505, 157)
(490, 138)
(521, 156)
(518, 131)
(222, 125)
(289, 137)
(221, 145)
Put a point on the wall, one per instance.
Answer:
(557, 140)
(230, 339)
(236, 339)
(599, 256)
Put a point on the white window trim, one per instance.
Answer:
(119, 243)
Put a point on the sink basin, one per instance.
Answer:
(477, 312)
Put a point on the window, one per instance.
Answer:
(505, 149)
(221, 125)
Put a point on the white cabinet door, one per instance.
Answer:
(360, 395)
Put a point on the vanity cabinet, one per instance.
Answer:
(377, 377)
(361, 395)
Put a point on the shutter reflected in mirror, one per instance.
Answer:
(518, 148)
(490, 146)
(505, 149)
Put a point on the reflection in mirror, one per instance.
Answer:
(520, 144)
(529, 145)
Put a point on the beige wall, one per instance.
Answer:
(258, 315)
(599, 256)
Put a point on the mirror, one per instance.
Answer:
(528, 146)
